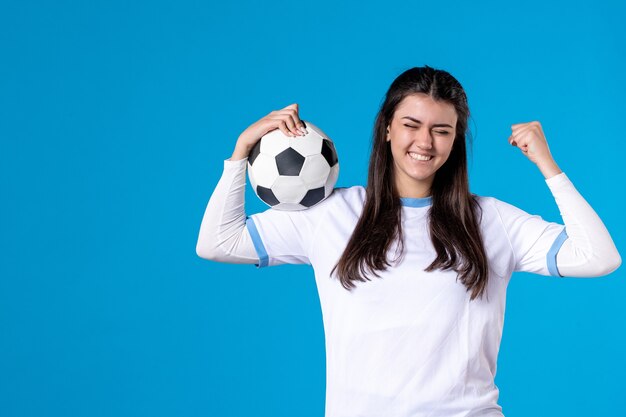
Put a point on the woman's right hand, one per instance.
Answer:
(287, 120)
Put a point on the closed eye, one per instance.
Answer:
(443, 132)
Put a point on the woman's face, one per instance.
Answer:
(420, 126)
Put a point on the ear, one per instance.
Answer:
(388, 139)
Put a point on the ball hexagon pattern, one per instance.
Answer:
(293, 173)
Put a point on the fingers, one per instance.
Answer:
(521, 130)
(289, 122)
(520, 142)
(295, 124)
(517, 139)
(524, 133)
(518, 126)
(522, 147)
(519, 135)
(287, 126)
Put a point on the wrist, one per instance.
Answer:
(241, 151)
(548, 168)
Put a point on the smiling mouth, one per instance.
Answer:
(419, 157)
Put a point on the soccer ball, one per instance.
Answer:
(293, 173)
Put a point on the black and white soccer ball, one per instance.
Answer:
(293, 173)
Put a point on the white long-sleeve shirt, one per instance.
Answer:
(588, 251)
(410, 343)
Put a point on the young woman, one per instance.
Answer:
(411, 270)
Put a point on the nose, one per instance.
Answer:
(424, 139)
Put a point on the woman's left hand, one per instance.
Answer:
(530, 139)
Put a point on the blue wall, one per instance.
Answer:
(115, 119)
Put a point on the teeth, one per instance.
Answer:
(420, 157)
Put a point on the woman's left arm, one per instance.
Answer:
(589, 250)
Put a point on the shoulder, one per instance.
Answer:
(492, 208)
(350, 199)
(340, 201)
(505, 213)
(492, 203)
(351, 195)
(344, 195)
(499, 206)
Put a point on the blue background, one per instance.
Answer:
(115, 119)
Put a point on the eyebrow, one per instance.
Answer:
(437, 125)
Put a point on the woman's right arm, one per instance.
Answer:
(223, 235)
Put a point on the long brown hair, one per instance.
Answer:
(454, 225)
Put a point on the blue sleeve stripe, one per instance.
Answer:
(258, 243)
(556, 245)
